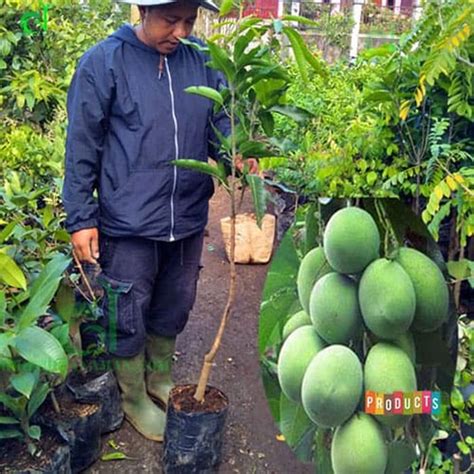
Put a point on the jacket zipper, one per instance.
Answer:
(176, 145)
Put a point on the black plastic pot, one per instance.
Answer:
(104, 390)
(58, 463)
(82, 434)
(193, 440)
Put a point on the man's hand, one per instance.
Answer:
(86, 244)
(251, 163)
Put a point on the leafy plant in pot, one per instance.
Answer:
(255, 88)
(29, 359)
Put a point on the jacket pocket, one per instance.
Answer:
(118, 305)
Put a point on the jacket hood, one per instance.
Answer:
(126, 34)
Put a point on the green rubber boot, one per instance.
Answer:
(138, 407)
(159, 354)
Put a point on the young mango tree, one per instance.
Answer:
(255, 85)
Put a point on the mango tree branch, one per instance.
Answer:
(210, 356)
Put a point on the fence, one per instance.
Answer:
(341, 30)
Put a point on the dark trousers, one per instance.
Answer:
(150, 287)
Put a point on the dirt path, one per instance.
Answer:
(250, 444)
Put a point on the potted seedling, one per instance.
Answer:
(29, 358)
(255, 89)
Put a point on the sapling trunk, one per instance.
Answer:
(210, 356)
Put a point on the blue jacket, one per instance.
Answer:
(128, 118)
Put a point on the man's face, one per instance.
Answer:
(164, 26)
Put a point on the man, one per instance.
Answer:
(128, 118)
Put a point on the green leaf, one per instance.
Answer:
(226, 7)
(51, 272)
(37, 398)
(198, 47)
(457, 400)
(3, 308)
(12, 404)
(294, 422)
(7, 230)
(401, 455)
(279, 293)
(10, 272)
(221, 61)
(24, 383)
(42, 349)
(117, 456)
(259, 196)
(8, 420)
(300, 19)
(459, 270)
(322, 451)
(207, 92)
(34, 431)
(267, 121)
(311, 228)
(298, 114)
(10, 433)
(252, 149)
(43, 290)
(65, 302)
(371, 178)
(297, 46)
(201, 167)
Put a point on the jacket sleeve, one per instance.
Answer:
(88, 102)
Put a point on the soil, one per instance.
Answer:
(14, 455)
(182, 399)
(70, 409)
(250, 443)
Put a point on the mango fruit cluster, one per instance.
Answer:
(347, 288)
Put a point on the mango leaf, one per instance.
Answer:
(272, 389)
(294, 422)
(279, 293)
(10, 433)
(202, 167)
(459, 270)
(300, 19)
(267, 122)
(259, 196)
(221, 61)
(322, 451)
(42, 349)
(401, 455)
(298, 114)
(207, 92)
(10, 272)
(298, 47)
(226, 7)
(24, 383)
(198, 47)
(116, 456)
(37, 398)
(311, 228)
(252, 149)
